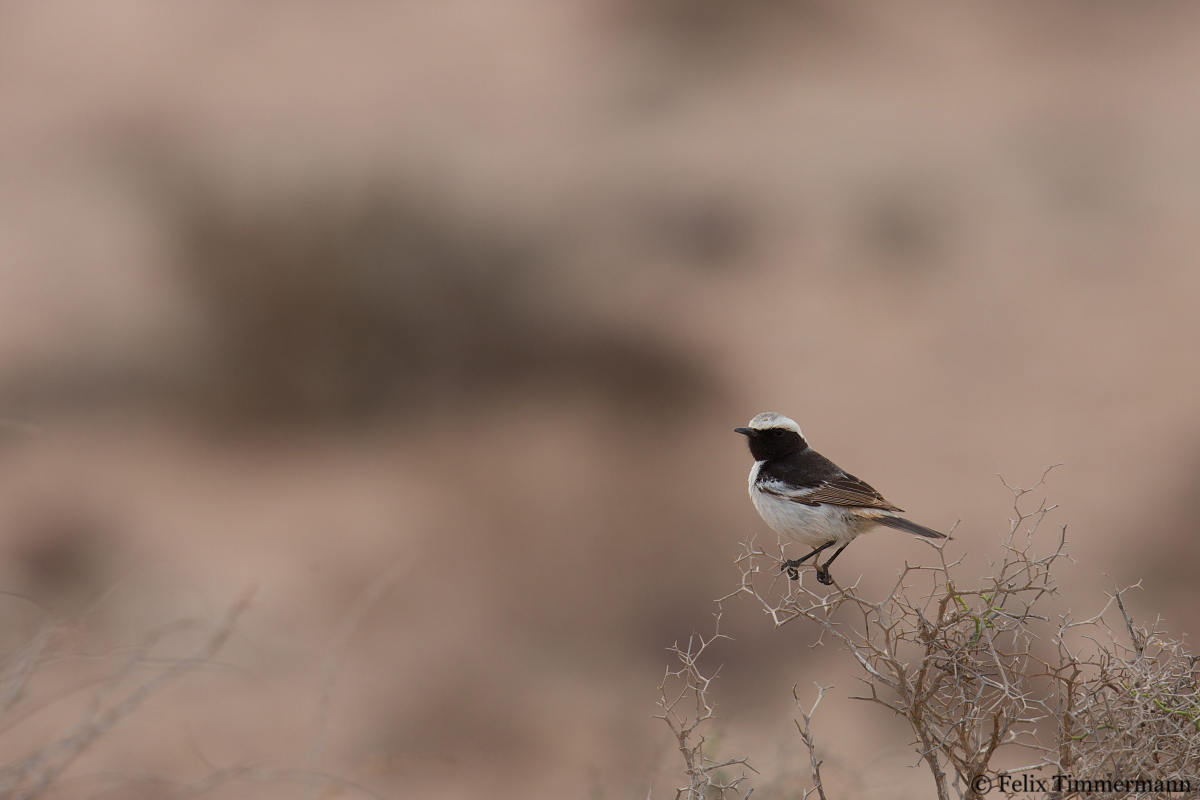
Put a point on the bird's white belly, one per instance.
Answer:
(811, 526)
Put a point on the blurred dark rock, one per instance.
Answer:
(324, 311)
(61, 552)
(905, 226)
(707, 233)
(706, 25)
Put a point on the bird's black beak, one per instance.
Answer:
(744, 431)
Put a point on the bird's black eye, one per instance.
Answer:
(778, 433)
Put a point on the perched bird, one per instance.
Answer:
(805, 497)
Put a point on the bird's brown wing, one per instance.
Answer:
(841, 490)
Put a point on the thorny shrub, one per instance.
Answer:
(979, 665)
(50, 748)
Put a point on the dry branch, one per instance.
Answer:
(685, 699)
(977, 665)
(114, 701)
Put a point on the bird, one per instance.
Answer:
(805, 497)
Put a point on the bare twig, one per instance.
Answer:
(975, 666)
(346, 627)
(806, 737)
(33, 774)
(686, 704)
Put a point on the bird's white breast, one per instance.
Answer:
(811, 526)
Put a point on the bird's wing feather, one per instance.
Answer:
(812, 479)
(847, 490)
(841, 490)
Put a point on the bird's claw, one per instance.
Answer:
(823, 577)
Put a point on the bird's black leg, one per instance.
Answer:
(823, 575)
(791, 564)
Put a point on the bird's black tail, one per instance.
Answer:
(904, 525)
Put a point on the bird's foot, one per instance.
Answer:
(790, 568)
(823, 577)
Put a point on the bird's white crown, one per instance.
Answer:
(769, 419)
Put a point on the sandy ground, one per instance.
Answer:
(430, 323)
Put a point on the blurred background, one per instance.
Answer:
(303, 295)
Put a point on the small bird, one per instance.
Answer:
(805, 497)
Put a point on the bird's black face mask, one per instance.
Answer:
(772, 443)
